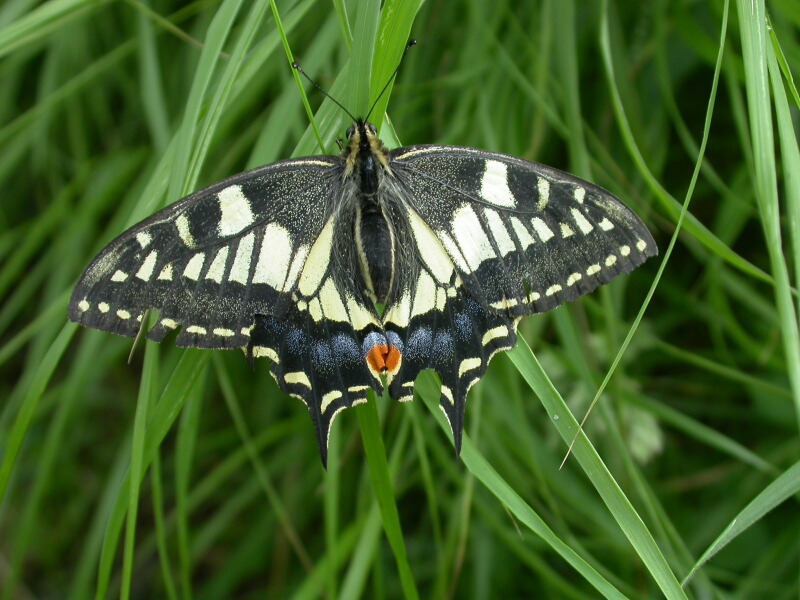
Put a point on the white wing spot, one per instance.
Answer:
(315, 309)
(240, 271)
(471, 237)
(494, 185)
(145, 272)
(166, 273)
(468, 364)
(222, 332)
(318, 261)
(217, 268)
(119, 276)
(425, 295)
(104, 307)
(453, 250)
(606, 225)
(274, 257)
(331, 301)
(553, 289)
(360, 317)
(611, 260)
(182, 223)
(328, 398)
(533, 297)
(169, 323)
(504, 304)
(542, 229)
(83, 305)
(430, 249)
(566, 230)
(625, 250)
(123, 314)
(265, 351)
(448, 393)
(400, 313)
(196, 329)
(297, 264)
(441, 299)
(574, 278)
(194, 266)
(501, 237)
(543, 187)
(524, 237)
(357, 388)
(641, 245)
(593, 269)
(235, 212)
(144, 239)
(581, 221)
(298, 377)
(494, 333)
(580, 194)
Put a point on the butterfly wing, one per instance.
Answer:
(253, 262)
(495, 238)
(524, 237)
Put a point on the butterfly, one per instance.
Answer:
(292, 261)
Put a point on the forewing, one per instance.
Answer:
(524, 237)
(213, 261)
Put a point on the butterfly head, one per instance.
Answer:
(363, 145)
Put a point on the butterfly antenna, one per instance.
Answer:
(411, 44)
(297, 66)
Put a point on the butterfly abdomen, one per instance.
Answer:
(376, 247)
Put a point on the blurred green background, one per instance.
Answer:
(185, 475)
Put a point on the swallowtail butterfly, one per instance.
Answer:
(287, 261)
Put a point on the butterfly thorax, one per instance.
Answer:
(366, 160)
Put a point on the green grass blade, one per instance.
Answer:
(783, 488)
(486, 474)
(180, 384)
(384, 491)
(755, 50)
(616, 501)
(147, 390)
(30, 402)
(41, 22)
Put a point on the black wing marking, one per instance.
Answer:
(212, 261)
(524, 237)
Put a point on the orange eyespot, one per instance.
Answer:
(384, 359)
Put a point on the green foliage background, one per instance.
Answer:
(185, 475)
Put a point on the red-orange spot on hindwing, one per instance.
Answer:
(393, 359)
(383, 358)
